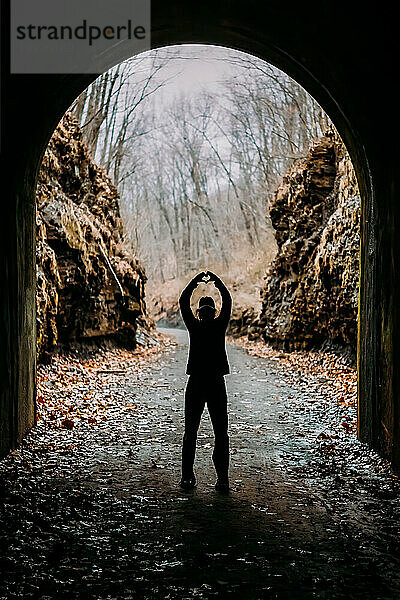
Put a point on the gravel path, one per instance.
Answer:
(95, 511)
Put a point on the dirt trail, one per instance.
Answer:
(98, 512)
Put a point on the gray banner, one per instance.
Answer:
(76, 36)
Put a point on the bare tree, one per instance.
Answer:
(196, 173)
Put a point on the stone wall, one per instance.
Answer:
(89, 283)
(311, 288)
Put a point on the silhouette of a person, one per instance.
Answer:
(206, 367)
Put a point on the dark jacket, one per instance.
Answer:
(207, 352)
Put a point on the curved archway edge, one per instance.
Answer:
(332, 56)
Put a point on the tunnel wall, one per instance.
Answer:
(346, 60)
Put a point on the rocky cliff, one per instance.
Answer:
(89, 283)
(311, 288)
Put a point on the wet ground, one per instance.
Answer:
(91, 508)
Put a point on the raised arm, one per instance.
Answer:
(184, 300)
(226, 307)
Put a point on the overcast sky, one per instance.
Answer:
(194, 68)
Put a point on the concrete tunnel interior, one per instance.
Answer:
(349, 83)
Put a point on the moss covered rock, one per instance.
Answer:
(311, 288)
(89, 282)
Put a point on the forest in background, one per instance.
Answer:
(208, 161)
(197, 140)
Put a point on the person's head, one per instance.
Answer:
(206, 308)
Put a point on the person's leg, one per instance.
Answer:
(194, 406)
(217, 407)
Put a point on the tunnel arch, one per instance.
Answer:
(335, 88)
